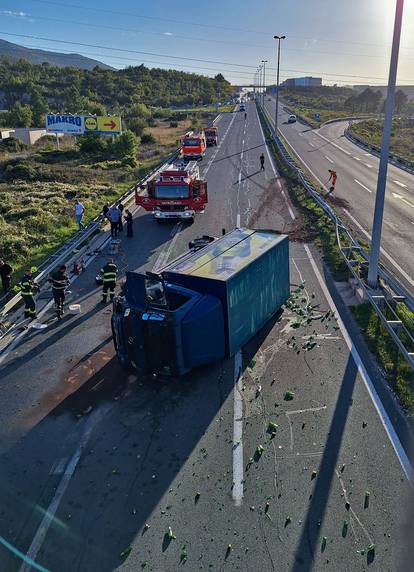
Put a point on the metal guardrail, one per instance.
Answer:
(391, 299)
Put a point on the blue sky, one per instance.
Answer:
(344, 41)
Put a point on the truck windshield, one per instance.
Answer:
(210, 133)
(171, 192)
(191, 142)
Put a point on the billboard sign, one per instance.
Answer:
(73, 124)
(80, 124)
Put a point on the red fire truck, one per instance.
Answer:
(211, 135)
(176, 192)
(193, 146)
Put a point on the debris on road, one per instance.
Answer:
(146, 527)
(251, 364)
(125, 552)
(272, 427)
(323, 544)
(366, 499)
(169, 534)
(183, 555)
(228, 550)
(289, 395)
(287, 521)
(258, 452)
(197, 497)
(258, 390)
(344, 529)
(313, 475)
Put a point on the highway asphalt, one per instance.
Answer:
(97, 465)
(357, 169)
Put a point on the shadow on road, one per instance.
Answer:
(309, 541)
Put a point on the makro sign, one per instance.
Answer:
(73, 124)
(80, 124)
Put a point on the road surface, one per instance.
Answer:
(357, 169)
(96, 464)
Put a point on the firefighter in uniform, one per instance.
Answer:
(27, 288)
(60, 281)
(109, 272)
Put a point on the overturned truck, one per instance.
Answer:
(203, 306)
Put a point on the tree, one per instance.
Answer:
(91, 144)
(20, 115)
(39, 107)
(400, 101)
(126, 145)
(136, 125)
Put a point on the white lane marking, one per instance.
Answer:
(238, 468)
(329, 159)
(61, 489)
(332, 143)
(238, 221)
(311, 144)
(363, 186)
(164, 255)
(383, 415)
(356, 158)
(367, 154)
(291, 213)
(400, 184)
(240, 176)
(368, 165)
(307, 166)
(386, 255)
(401, 198)
(242, 153)
(279, 184)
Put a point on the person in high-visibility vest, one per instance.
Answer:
(27, 289)
(109, 272)
(332, 177)
(60, 281)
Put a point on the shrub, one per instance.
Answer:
(19, 171)
(148, 139)
(12, 145)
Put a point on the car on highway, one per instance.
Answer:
(292, 119)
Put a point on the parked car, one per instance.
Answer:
(292, 119)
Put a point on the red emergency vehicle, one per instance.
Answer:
(193, 146)
(211, 135)
(176, 192)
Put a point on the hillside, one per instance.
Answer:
(14, 52)
(46, 88)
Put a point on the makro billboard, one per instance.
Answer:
(80, 124)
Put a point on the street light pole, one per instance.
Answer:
(264, 62)
(385, 147)
(278, 38)
(260, 81)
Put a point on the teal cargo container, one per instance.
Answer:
(248, 270)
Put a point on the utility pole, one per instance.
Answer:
(278, 38)
(264, 62)
(385, 147)
(260, 82)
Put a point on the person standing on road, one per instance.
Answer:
(128, 219)
(109, 272)
(79, 212)
(332, 177)
(114, 214)
(262, 167)
(105, 210)
(121, 209)
(27, 288)
(5, 273)
(60, 281)
(245, 116)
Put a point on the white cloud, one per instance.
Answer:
(15, 14)
(168, 34)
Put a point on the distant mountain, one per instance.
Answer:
(12, 51)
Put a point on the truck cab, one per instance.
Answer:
(177, 192)
(193, 146)
(211, 134)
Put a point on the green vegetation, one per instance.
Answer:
(399, 374)
(30, 91)
(402, 136)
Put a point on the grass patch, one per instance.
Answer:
(398, 373)
(402, 136)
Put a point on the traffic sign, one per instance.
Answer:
(91, 124)
(80, 124)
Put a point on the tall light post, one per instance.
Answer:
(259, 71)
(264, 62)
(278, 38)
(385, 147)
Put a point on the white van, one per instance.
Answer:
(292, 119)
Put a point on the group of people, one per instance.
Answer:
(115, 214)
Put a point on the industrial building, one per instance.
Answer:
(302, 82)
